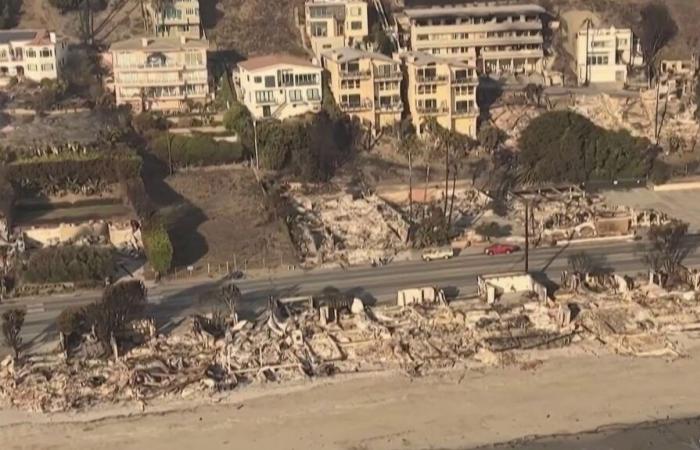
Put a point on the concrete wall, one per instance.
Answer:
(120, 235)
(500, 284)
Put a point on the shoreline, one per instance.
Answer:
(496, 408)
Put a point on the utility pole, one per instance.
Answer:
(527, 236)
(255, 140)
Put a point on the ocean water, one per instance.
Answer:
(681, 434)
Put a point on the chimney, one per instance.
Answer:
(144, 42)
(52, 37)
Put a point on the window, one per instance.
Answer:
(270, 82)
(422, 37)
(598, 44)
(319, 29)
(295, 95)
(257, 79)
(350, 84)
(305, 79)
(463, 106)
(355, 11)
(31, 67)
(189, 11)
(622, 42)
(312, 94)
(356, 25)
(427, 89)
(461, 90)
(264, 96)
(286, 78)
(351, 100)
(193, 59)
(46, 67)
(46, 53)
(30, 53)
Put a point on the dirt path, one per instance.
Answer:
(565, 395)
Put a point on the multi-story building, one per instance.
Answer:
(495, 37)
(279, 86)
(160, 73)
(604, 54)
(332, 24)
(31, 54)
(173, 18)
(365, 85)
(442, 88)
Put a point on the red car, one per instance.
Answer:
(501, 249)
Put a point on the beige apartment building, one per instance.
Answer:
(603, 55)
(332, 24)
(160, 73)
(365, 85)
(495, 37)
(31, 54)
(279, 86)
(442, 88)
(173, 18)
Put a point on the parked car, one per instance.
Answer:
(438, 253)
(501, 249)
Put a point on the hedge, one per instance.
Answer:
(157, 245)
(196, 150)
(65, 172)
(69, 264)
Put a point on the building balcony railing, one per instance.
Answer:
(389, 107)
(365, 105)
(355, 74)
(431, 79)
(465, 80)
(393, 75)
(464, 112)
(432, 110)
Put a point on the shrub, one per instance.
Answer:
(69, 264)
(490, 136)
(120, 303)
(157, 245)
(196, 150)
(148, 122)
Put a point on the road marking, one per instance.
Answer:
(36, 309)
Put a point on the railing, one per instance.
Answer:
(361, 106)
(431, 109)
(465, 80)
(396, 107)
(391, 75)
(464, 111)
(431, 79)
(355, 74)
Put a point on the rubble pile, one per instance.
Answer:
(281, 345)
(341, 228)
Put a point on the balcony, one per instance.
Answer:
(465, 80)
(355, 75)
(464, 112)
(365, 105)
(389, 107)
(390, 75)
(431, 110)
(434, 79)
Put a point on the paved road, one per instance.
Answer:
(173, 301)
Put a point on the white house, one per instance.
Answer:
(603, 55)
(279, 86)
(31, 54)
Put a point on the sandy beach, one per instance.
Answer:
(455, 410)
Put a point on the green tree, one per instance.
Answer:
(490, 137)
(491, 230)
(563, 146)
(157, 245)
(120, 303)
(238, 120)
(9, 13)
(382, 42)
(12, 322)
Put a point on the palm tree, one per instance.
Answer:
(588, 23)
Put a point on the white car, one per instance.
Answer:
(438, 253)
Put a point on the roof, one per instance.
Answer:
(472, 10)
(160, 43)
(37, 37)
(275, 59)
(423, 59)
(352, 54)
